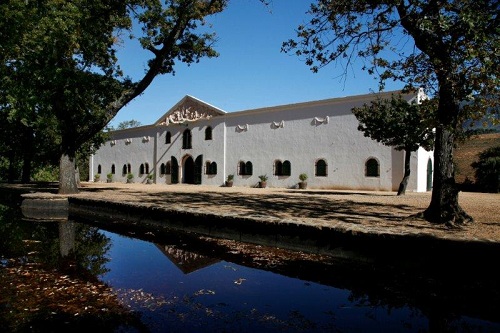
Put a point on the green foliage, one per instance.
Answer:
(458, 36)
(303, 177)
(398, 123)
(58, 67)
(46, 173)
(448, 47)
(230, 178)
(128, 124)
(488, 170)
(130, 176)
(263, 178)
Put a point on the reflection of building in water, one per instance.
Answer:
(186, 261)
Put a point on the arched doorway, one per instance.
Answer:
(198, 168)
(174, 171)
(429, 175)
(188, 170)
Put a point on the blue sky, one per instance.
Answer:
(250, 72)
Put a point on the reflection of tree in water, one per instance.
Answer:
(42, 290)
(90, 249)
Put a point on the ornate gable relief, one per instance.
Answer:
(188, 111)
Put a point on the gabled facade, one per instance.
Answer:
(197, 143)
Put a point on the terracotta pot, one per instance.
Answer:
(302, 185)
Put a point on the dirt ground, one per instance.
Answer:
(357, 211)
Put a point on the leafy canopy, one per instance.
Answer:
(421, 43)
(397, 122)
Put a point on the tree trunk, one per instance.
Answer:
(444, 207)
(404, 182)
(27, 155)
(11, 177)
(67, 175)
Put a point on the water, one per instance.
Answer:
(181, 282)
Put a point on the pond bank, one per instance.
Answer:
(318, 221)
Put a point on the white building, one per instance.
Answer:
(197, 143)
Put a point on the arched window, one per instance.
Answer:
(287, 168)
(168, 137)
(211, 168)
(208, 133)
(129, 168)
(141, 169)
(321, 168)
(99, 169)
(278, 168)
(124, 170)
(168, 168)
(372, 168)
(186, 139)
(113, 169)
(248, 168)
(146, 168)
(245, 169)
(241, 168)
(162, 169)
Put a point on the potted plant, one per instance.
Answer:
(130, 178)
(229, 181)
(109, 178)
(303, 183)
(149, 179)
(263, 181)
(97, 178)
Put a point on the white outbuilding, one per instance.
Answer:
(197, 143)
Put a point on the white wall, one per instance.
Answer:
(134, 146)
(303, 141)
(309, 132)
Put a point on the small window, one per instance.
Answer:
(168, 168)
(248, 168)
(129, 168)
(245, 169)
(321, 168)
(162, 169)
(113, 169)
(211, 168)
(124, 170)
(208, 133)
(278, 168)
(287, 168)
(168, 137)
(241, 168)
(146, 168)
(372, 168)
(99, 169)
(141, 169)
(282, 168)
(186, 140)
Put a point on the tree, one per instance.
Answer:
(451, 48)
(398, 123)
(58, 65)
(128, 124)
(488, 170)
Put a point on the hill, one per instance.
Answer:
(468, 151)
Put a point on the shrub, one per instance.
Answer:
(46, 173)
(488, 170)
